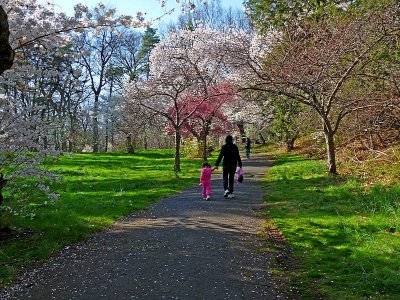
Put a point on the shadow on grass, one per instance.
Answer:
(290, 158)
(149, 154)
(81, 164)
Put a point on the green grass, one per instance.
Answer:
(345, 236)
(97, 189)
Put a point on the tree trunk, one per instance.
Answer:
(96, 124)
(45, 137)
(6, 52)
(330, 150)
(145, 144)
(290, 142)
(205, 147)
(2, 184)
(290, 145)
(129, 146)
(177, 164)
(106, 137)
(240, 126)
(72, 134)
(112, 136)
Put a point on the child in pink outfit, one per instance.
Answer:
(205, 180)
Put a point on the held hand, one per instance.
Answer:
(200, 183)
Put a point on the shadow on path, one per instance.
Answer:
(181, 248)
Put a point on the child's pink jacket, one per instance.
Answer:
(205, 176)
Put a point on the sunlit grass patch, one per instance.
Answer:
(346, 235)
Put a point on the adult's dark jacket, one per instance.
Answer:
(230, 153)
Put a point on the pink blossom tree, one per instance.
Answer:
(209, 116)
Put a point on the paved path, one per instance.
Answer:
(181, 248)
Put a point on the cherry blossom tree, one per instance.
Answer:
(323, 67)
(22, 156)
(157, 95)
(209, 116)
(320, 64)
(184, 63)
(27, 91)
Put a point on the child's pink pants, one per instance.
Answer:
(206, 189)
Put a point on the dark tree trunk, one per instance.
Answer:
(112, 136)
(3, 181)
(6, 52)
(106, 143)
(290, 141)
(45, 142)
(45, 138)
(177, 164)
(106, 138)
(290, 145)
(205, 147)
(240, 125)
(96, 124)
(129, 145)
(330, 151)
(72, 134)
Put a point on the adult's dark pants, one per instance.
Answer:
(228, 174)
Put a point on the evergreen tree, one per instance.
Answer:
(149, 40)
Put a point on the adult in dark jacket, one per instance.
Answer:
(230, 153)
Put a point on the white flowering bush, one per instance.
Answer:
(22, 161)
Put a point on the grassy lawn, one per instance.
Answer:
(96, 190)
(346, 236)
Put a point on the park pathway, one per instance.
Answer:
(181, 248)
